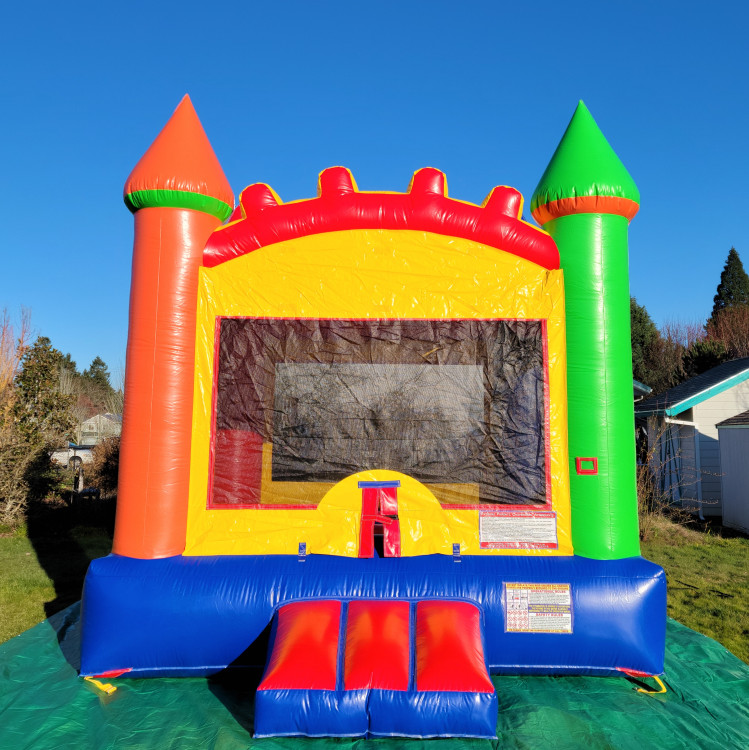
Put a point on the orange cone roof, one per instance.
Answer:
(180, 169)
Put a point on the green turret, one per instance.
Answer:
(585, 201)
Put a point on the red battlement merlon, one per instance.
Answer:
(261, 219)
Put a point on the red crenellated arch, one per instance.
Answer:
(261, 219)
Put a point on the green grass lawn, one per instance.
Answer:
(24, 587)
(708, 581)
(42, 569)
(42, 565)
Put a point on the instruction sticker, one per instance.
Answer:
(518, 529)
(538, 608)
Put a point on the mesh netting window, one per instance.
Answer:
(302, 403)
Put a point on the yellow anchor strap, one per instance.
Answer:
(105, 687)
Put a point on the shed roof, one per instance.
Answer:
(740, 420)
(696, 390)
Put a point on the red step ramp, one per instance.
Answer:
(370, 668)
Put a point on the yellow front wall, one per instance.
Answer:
(369, 274)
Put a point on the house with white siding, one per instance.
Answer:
(682, 424)
(99, 427)
(87, 435)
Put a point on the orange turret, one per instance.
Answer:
(179, 195)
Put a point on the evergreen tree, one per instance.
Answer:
(733, 288)
(98, 374)
(656, 361)
(68, 365)
(42, 414)
(703, 355)
(95, 388)
(644, 337)
(41, 410)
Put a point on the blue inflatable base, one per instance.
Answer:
(198, 615)
(374, 713)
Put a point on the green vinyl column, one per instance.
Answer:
(585, 201)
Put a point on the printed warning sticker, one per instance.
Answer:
(518, 529)
(538, 608)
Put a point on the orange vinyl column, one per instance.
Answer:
(155, 445)
(179, 195)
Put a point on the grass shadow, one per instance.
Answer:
(66, 534)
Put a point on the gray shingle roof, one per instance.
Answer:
(696, 389)
(737, 421)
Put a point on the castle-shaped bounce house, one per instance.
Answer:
(392, 433)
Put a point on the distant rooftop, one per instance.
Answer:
(117, 418)
(696, 390)
(740, 420)
(641, 390)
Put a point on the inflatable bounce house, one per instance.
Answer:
(392, 433)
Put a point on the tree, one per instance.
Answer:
(730, 327)
(104, 471)
(733, 288)
(656, 360)
(42, 414)
(15, 451)
(703, 355)
(95, 387)
(34, 418)
(98, 374)
(41, 410)
(644, 338)
(729, 322)
(68, 365)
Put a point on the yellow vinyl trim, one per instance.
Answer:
(368, 274)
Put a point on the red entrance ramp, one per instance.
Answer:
(374, 668)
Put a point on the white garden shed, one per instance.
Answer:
(734, 461)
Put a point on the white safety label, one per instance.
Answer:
(538, 608)
(518, 529)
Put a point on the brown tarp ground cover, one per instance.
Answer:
(45, 705)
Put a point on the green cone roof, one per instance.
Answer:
(584, 164)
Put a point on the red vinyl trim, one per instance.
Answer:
(379, 505)
(340, 206)
(377, 645)
(449, 648)
(112, 673)
(392, 538)
(368, 516)
(388, 499)
(547, 409)
(592, 471)
(633, 672)
(305, 647)
(214, 411)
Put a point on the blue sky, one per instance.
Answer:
(481, 90)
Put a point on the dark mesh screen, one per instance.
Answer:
(457, 404)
